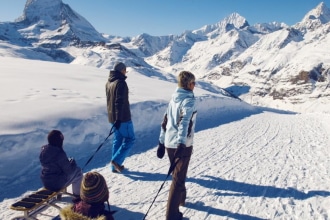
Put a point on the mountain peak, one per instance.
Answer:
(35, 10)
(55, 20)
(237, 20)
(321, 13)
(234, 20)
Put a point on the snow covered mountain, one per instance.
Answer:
(315, 18)
(51, 23)
(258, 63)
(51, 31)
(290, 65)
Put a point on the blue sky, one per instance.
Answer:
(164, 17)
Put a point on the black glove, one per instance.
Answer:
(160, 150)
(179, 151)
(72, 161)
(117, 124)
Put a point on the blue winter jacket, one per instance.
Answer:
(180, 119)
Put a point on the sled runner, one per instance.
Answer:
(36, 201)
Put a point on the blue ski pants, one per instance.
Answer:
(123, 141)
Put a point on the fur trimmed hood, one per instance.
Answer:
(67, 214)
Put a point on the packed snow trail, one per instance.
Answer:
(264, 166)
(267, 166)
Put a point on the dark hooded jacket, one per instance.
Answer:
(55, 167)
(117, 98)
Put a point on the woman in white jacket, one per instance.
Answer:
(176, 136)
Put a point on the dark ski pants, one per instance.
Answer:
(177, 193)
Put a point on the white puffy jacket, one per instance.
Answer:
(179, 120)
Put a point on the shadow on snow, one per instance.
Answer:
(230, 188)
(146, 139)
(234, 188)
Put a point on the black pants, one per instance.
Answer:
(177, 193)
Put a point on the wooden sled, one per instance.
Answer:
(36, 201)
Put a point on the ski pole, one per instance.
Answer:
(110, 133)
(170, 170)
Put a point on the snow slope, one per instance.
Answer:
(248, 162)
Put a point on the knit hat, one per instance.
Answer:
(119, 66)
(55, 138)
(93, 188)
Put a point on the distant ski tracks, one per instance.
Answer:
(265, 166)
(262, 153)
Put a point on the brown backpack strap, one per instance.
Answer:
(164, 123)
